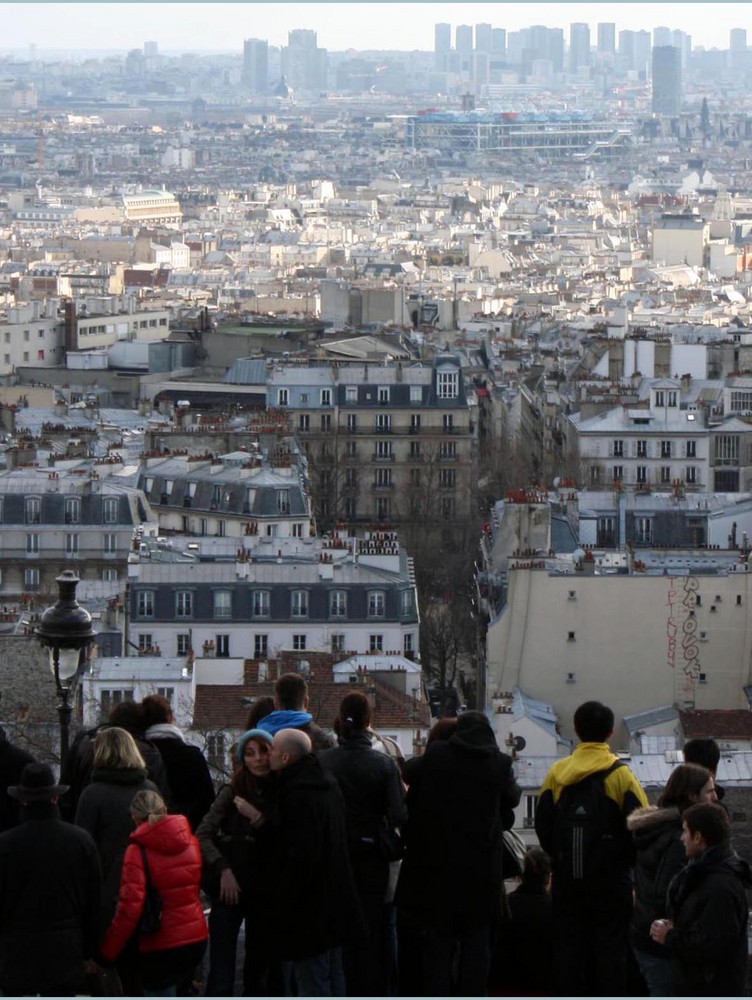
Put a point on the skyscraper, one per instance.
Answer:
(256, 65)
(738, 39)
(442, 46)
(463, 38)
(607, 37)
(579, 46)
(667, 88)
(483, 37)
(499, 41)
(304, 64)
(662, 36)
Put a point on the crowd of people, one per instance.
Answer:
(353, 872)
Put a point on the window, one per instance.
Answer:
(642, 473)
(571, 637)
(408, 644)
(352, 422)
(383, 423)
(671, 397)
(660, 398)
(383, 478)
(110, 510)
(326, 397)
(415, 450)
(665, 473)
(351, 478)
(351, 449)
(383, 394)
(145, 641)
(31, 579)
(375, 603)
(384, 451)
(108, 699)
(299, 604)
(338, 642)
(168, 693)
(110, 543)
(222, 645)
(416, 394)
(606, 532)
(382, 508)
(326, 421)
(299, 641)
(617, 473)
(145, 603)
(260, 603)
(338, 604)
(33, 510)
(304, 422)
(283, 501)
(407, 606)
(351, 508)
(72, 510)
(447, 479)
(595, 475)
(215, 751)
(109, 575)
(690, 474)
(184, 604)
(260, 645)
(71, 545)
(376, 643)
(643, 530)
(448, 423)
(448, 450)
(447, 507)
(642, 449)
(618, 449)
(447, 384)
(32, 543)
(351, 394)
(415, 477)
(665, 449)
(283, 397)
(297, 530)
(727, 449)
(528, 820)
(223, 604)
(184, 643)
(691, 449)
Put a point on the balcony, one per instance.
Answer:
(375, 457)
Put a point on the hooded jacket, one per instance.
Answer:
(188, 777)
(284, 718)
(621, 786)
(174, 860)
(460, 799)
(707, 902)
(656, 834)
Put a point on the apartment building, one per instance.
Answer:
(385, 443)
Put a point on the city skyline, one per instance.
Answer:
(222, 27)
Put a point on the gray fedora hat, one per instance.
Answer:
(36, 784)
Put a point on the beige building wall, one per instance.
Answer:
(634, 642)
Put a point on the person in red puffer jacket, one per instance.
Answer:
(173, 855)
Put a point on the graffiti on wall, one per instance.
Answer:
(682, 647)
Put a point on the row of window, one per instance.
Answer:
(33, 510)
(221, 495)
(667, 474)
(221, 647)
(261, 603)
(383, 508)
(32, 577)
(73, 542)
(666, 448)
(447, 387)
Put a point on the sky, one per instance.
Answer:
(340, 26)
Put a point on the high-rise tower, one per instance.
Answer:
(256, 65)
(667, 80)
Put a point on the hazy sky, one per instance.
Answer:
(223, 26)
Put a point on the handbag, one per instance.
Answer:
(513, 854)
(104, 982)
(151, 915)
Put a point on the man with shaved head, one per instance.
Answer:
(315, 909)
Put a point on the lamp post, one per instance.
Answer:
(65, 629)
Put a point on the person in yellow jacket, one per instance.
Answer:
(581, 823)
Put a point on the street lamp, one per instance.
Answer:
(65, 629)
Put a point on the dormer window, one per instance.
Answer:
(447, 384)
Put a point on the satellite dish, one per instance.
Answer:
(519, 743)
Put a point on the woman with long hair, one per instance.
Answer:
(233, 843)
(656, 831)
(162, 853)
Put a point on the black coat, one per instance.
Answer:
(370, 784)
(527, 942)
(461, 798)
(12, 761)
(314, 906)
(660, 856)
(707, 902)
(49, 904)
(188, 777)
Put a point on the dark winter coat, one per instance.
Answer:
(174, 860)
(49, 904)
(707, 902)
(78, 765)
(312, 874)
(228, 840)
(12, 761)
(527, 941)
(370, 784)
(188, 778)
(104, 812)
(660, 856)
(461, 798)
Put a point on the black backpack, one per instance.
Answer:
(589, 830)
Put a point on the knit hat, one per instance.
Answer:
(258, 734)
